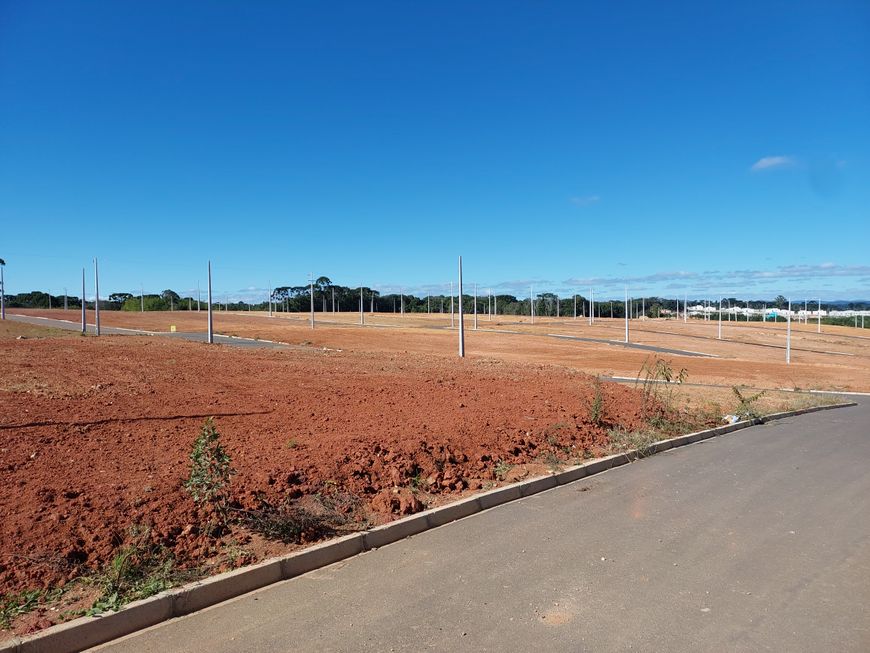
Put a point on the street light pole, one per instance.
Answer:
(532, 303)
(591, 306)
(84, 323)
(97, 297)
(626, 315)
(210, 315)
(2, 291)
(461, 319)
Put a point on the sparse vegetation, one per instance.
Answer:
(139, 569)
(16, 604)
(745, 408)
(294, 522)
(210, 470)
(640, 441)
(596, 409)
(501, 469)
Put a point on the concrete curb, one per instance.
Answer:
(87, 632)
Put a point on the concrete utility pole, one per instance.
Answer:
(788, 337)
(373, 302)
(575, 306)
(402, 299)
(362, 313)
(65, 307)
(333, 300)
(96, 297)
(720, 318)
(452, 323)
(475, 307)
(3, 291)
(819, 327)
(591, 306)
(84, 323)
(210, 309)
(558, 307)
(461, 318)
(532, 303)
(626, 314)
(311, 292)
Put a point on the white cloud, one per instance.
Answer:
(773, 163)
(586, 200)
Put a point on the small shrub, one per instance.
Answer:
(210, 470)
(658, 379)
(745, 409)
(596, 409)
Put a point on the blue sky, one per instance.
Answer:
(708, 148)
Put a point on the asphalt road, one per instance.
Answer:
(758, 540)
(116, 331)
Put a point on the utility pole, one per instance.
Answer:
(575, 306)
(333, 299)
(591, 306)
(84, 323)
(461, 318)
(788, 337)
(210, 309)
(532, 303)
(141, 298)
(3, 291)
(626, 314)
(311, 292)
(819, 327)
(97, 296)
(65, 299)
(720, 318)
(362, 313)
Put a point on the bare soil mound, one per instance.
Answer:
(95, 437)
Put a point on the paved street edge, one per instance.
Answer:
(86, 632)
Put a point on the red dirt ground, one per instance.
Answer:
(95, 436)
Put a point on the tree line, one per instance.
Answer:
(329, 296)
